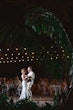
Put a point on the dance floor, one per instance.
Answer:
(39, 100)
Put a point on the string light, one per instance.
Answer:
(25, 53)
(3, 61)
(67, 56)
(31, 59)
(16, 48)
(47, 52)
(51, 58)
(56, 57)
(14, 60)
(18, 53)
(12, 54)
(22, 56)
(62, 50)
(7, 61)
(27, 59)
(32, 56)
(11, 61)
(24, 48)
(0, 49)
(22, 59)
(52, 47)
(5, 54)
(1, 58)
(61, 47)
(19, 60)
(7, 58)
(37, 59)
(0, 62)
(32, 53)
(16, 57)
(7, 49)
(63, 54)
(11, 58)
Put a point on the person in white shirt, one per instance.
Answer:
(30, 82)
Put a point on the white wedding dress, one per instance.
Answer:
(24, 87)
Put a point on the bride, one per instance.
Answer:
(24, 84)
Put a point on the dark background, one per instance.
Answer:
(13, 11)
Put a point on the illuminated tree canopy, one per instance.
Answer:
(43, 34)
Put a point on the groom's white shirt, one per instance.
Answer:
(31, 74)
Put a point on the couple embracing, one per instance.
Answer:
(27, 82)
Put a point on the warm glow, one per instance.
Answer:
(1, 58)
(32, 53)
(18, 53)
(16, 48)
(7, 49)
(25, 53)
(5, 54)
(11, 58)
(24, 48)
(12, 54)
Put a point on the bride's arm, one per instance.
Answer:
(25, 77)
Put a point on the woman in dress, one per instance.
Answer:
(24, 84)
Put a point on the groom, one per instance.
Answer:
(30, 82)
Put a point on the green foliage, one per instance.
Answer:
(41, 29)
(6, 104)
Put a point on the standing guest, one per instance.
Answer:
(30, 82)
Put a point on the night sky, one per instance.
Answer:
(13, 12)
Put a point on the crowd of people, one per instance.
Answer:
(10, 86)
(44, 86)
(51, 87)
